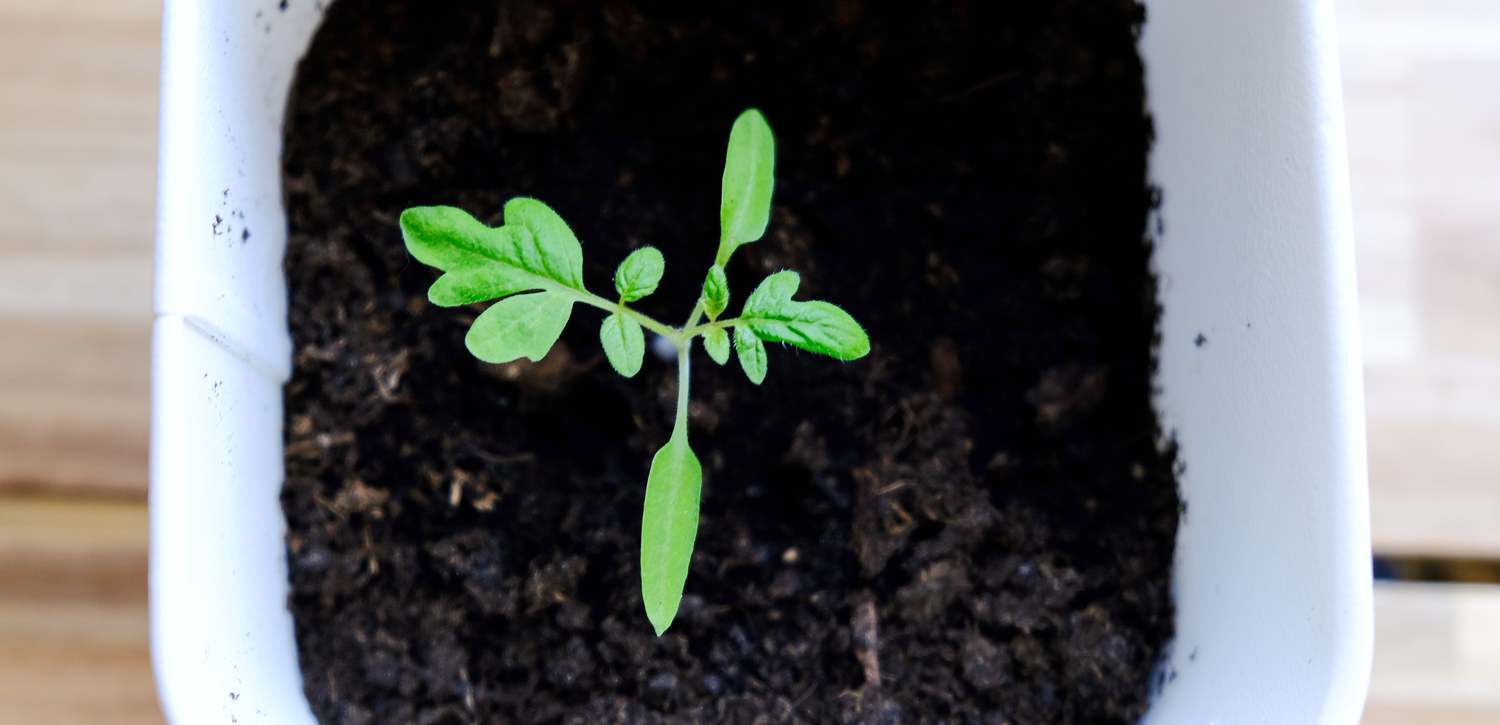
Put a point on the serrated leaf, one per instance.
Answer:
(749, 173)
(624, 343)
(669, 527)
(534, 250)
(520, 326)
(814, 325)
(533, 243)
(716, 344)
(639, 274)
(772, 294)
(752, 354)
(479, 283)
(715, 292)
(550, 249)
(450, 238)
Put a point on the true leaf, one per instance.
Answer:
(478, 283)
(520, 326)
(749, 171)
(669, 526)
(639, 274)
(624, 343)
(450, 238)
(716, 344)
(772, 294)
(752, 354)
(715, 292)
(534, 250)
(815, 326)
(551, 248)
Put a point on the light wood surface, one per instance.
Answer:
(1422, 99)
(1437, 655)
(73, 631)
(78, 82)
(78, 98)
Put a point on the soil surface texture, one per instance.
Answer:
(973, 524)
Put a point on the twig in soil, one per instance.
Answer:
(505, 460)
(866, 637)
(905, 519)
(983, 85)
(797, 703)
(323, 503)
(312, 447)
(469, 701)
(371, 562)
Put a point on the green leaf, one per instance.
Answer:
(479, 283)
(534, 250)
(772, 294)
(669, 526)
(815, 326)
(550, 249)
(624, 344)
(715, 292)
(639, 274)
(716, 344)
(450, 238)
(752, 354)
(534, 244)
(749, 171)
(520, 326)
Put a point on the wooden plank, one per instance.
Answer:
(74, 644)
(1429, 714)
(78, 98)
(75, 404)
(1425, 163)
(1437, 655)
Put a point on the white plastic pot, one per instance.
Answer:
(1273, 563)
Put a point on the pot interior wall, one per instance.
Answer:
(1272, 574)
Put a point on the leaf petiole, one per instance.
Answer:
(684, 378)
(698, 330)
(680, 336)
(593, 300)
(695, 317)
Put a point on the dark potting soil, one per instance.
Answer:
(973, 524)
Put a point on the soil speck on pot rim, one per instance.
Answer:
(981, 516)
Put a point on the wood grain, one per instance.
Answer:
(1437, 655)
(1423, 123)
(73, 615)
(78, 90)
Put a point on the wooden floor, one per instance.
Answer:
(77, 149)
